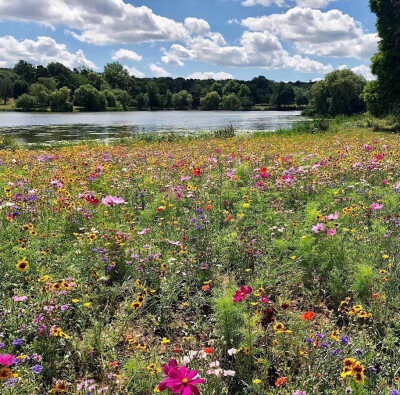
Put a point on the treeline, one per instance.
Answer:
(58, 88)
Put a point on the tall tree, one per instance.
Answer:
(383, 96)
(6, 89)
(26, 71)
(116, 75)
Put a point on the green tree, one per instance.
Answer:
(244, 96)
(116, 75)
(26, 102)
(26, 71)
(62, 74)
(383, 96)
(284, 95)
(141, 101)
(60, 100)
(182, 100)
(49, 83)
(90, 98)
(217, 87)
(6, 89)
(153, 95)
(168, 100)
(210, 101)
(20, 87)
(340, 93)
(123, 98)
(111, 99)
(42, 95)
(230, 102)
(231, 87)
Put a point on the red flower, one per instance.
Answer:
(242, 293)
(208, 350)
(308, 315)
(263, 172)
(197, 171)
(92, 199)
(280, 381)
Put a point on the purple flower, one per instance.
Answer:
(17, 343)
(344, 340)
(37, 369)
(112, 200)
(394, 392)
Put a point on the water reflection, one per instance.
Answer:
(48, 127)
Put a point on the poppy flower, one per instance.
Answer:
(308, 315)
(197, 172)
(208, 350)
(281, 381)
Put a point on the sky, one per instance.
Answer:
(283, 40)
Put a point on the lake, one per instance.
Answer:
(50, 127)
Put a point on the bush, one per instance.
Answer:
(26, 102)
(225, 132)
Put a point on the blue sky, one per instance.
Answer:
(280, 39)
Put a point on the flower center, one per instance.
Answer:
(185, 381)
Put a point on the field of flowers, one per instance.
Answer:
(248, 265)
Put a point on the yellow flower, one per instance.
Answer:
(22, 265)
(165, 341)
(256, 381)
(87, 304)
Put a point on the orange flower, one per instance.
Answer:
(374, 296)
(205, 287)
(308, 315)
(209, 207)
(208, 350)
(281, 381)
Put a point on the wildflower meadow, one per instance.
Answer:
(259, 264)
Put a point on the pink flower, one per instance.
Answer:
(318, 228)
(7, 359)
(242, 293)
(376, 206)
(112, 200)
(180, 380)
(264, 299)
(16, 298)
(331, 232)
(143, 232)
(331, 217)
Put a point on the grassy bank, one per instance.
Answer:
(118, 258)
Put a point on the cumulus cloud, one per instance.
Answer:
(210, 75)
(314, 32)
(257, 49)
(134, 72)
(363, 70)
(126, 54)
(288, 3)
(97, 22)
(158, 71)
(197, 26)
(42, 51)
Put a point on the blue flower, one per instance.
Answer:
(37, 369)
(17, 343)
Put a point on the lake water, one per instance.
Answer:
(48, 127)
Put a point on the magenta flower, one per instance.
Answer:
(318, 228)
(112, 200)
(180, 380)
(376, 206)
(7, 359)
(242, 293)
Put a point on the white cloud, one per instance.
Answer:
(314, 32)
(289, 3)
(363, 70)
(171, 59)
(135, 72)
(158, 71)
(42, 51)
(96, 22)
(126, 54)
(210, 75)
(197, 26)
(233, 21)
(257, 49)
